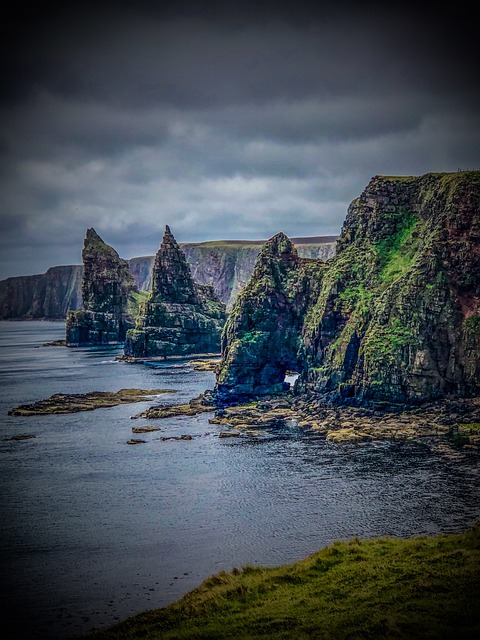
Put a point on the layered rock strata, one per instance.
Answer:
(49, 295)
(110, 297)
(392, 319)
(225, 264)
(180, 317)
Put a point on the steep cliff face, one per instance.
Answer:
(394, 317)
(179, 317)
(48, 295)
(109, 294)
(226, 265)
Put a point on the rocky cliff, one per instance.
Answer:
(49, 295)
(225, 264)
(228, 264)
(393, 318)
(179, 317)
(261, 340)
(109, 296)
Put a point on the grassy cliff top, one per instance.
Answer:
(424, 587)
(313, 240)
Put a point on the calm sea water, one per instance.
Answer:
(94, 530)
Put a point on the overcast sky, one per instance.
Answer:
(223, 123)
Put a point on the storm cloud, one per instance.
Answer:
(223, 120)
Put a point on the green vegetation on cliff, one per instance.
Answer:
(396, 252)
(260, 341)
(424, 587)
(390, 319)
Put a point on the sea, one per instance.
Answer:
(94, 530)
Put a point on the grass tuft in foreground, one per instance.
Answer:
(425, 587)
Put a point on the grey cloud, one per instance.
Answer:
(236, 122)
(133, 58)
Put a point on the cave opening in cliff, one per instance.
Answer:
(291, 376)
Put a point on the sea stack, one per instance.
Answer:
(109, 297)
(180, 317)
(261, 340)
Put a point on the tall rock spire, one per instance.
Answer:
(260, 341)
(107, 290)
(180, 316)
(171, 278)
(107, 280)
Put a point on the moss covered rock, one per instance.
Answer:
(393, 318)
(262, 335)
(179, 316)
(110, 297)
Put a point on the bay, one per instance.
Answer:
(94, 530)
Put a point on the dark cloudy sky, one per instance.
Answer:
(231, 122)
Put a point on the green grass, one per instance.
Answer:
(397, 252)
(425, 587)
(135, 301)
(473, 426)
(382, 343)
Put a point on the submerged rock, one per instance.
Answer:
(192, 408)
(74, 402)
(110, 297)
(205, 364)
(186, 436)
(179, 317)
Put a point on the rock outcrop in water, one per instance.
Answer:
(225, 264)
(180, 317)
(393, 318)
(261, 340)
(109, 293)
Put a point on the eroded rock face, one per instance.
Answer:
(180, 317)
(394, 317)
(262, 336)
(109, 296)
(47, 295)
(228, 264)
(225, 264)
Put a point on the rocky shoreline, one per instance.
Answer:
(458, 419)
(199, 361)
